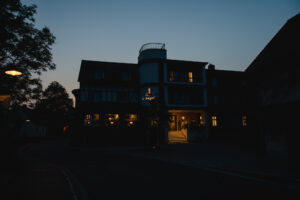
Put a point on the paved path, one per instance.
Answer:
(222, 158)
(188, 171)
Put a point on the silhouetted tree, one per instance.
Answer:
(25, 48)
(53, 107)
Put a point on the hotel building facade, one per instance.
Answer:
(113, 98)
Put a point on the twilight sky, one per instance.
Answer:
(226, 33)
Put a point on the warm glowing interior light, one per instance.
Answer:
(116, 116)
(190, 77)
(201, 120)
(96, 116)
(183, 117)
(244, 121)
(214, 121)
(27, 120)
(132, 116)
(111, 122)
(171, 76)
(13, 72)
(87, 119)
(131, 122)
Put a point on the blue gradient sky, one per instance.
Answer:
(229, 34)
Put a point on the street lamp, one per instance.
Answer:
(10, 70)
(4, 91)
(13, 72)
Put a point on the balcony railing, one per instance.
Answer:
(152, 46)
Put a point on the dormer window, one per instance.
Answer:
(99, 75)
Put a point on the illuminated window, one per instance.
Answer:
(92, 119)
(96, 116)
(190, 77)
(171, 75)
(201, 119)
(214, 120)
(244, 120)
(131, 119)
(87, 119)
(111, 119)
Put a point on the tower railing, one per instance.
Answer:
(152, 46)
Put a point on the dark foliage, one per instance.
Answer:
(25, 48)
(54, 106)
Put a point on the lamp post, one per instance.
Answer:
(4, 92)
(7, 131)
(153, 115)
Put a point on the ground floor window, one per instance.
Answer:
(244, 121)
(111, 119)
(131, 119)
(214, 121)
(183, 119)
(92, 119)
(173, 122)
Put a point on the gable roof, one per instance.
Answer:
(281, 51)
(89, 67)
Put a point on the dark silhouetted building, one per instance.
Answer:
(275, 92)
(227, 103)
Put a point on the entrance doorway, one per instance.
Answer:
(182, 123)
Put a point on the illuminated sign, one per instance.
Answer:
(148, 96)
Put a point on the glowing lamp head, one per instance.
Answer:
(13, 72)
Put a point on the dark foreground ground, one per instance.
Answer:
(55, 170)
